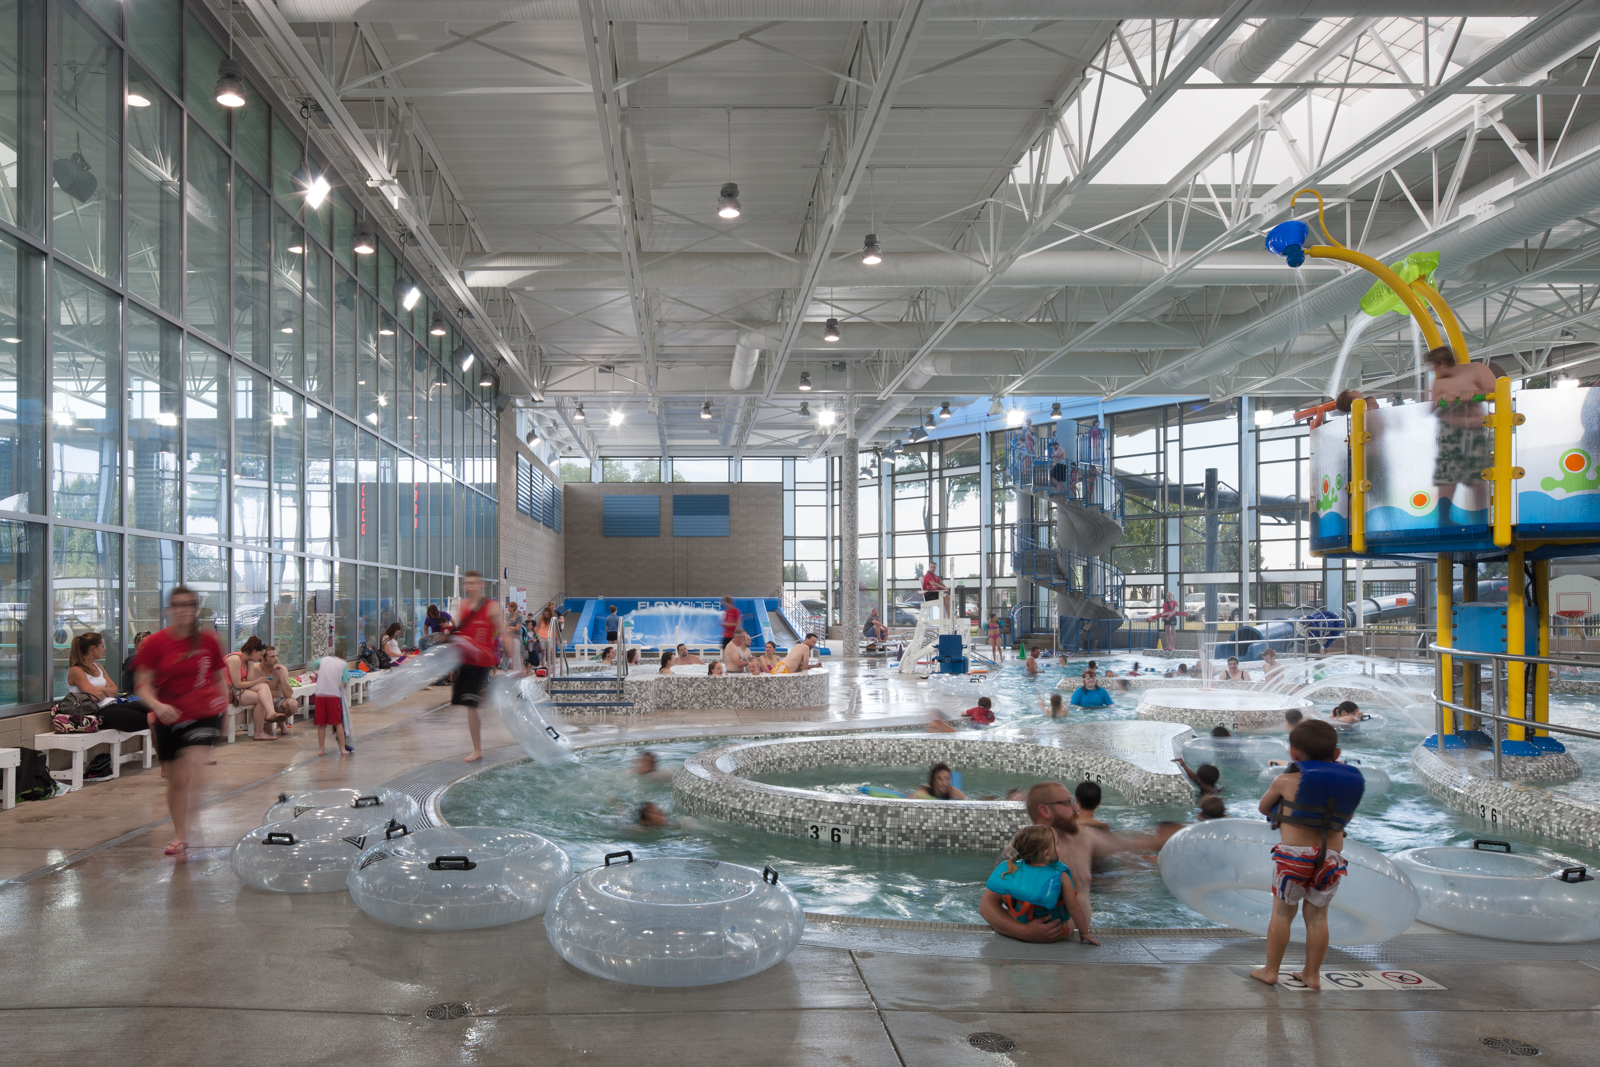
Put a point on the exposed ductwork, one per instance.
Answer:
(551, 271)
(1529, 214)
(743, 371)
(895, 404)
(857, 10)
(1250, 58)
(1562, 38)
(975, 337)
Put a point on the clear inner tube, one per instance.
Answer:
(527, 712)
(1223, 869)
(674, 921)
(380, 804)
(1376, 778)
(458, 877)
(414, 675)
(1489, 891)
(1234, 753)
(312, 854)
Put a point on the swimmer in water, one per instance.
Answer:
(1056, 708)
(1031, 664)
(1087, 794)
(645, 766)
(1233, 673)
(1347, 713)
(938, 786)
(650, 816)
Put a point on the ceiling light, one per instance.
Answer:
(533, 437)
(436, 326)
(1566, 381)
(62, 418)
(386, 330)
(825, 417)
(166, 418)
(917, 434)
(805, 409)
(1055, 410)
(365, 243)
(383, 401)
(286, 329)
(615, 418)
(944, 410)
(230, 86)
(1263, 416)
(898, 446)
(280, 418)
(466, 361)
(1014, 417)
(372, 417)
(995, 408)
(871, 251)
(407, 294)
(728, 201)
(1232, 410)
(75, 177)
(11, 340)
(830, 332)
(362, 381)
(137, 99)
(486, 381)
(578, 415)
(315, 187)
(805, 381)
(297, 250)
(705, 410)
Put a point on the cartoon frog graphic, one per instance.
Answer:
(1576, 473)
(1331, 488)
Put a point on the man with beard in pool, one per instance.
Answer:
(1052, 804)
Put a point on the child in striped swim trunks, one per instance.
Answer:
(1309, 806)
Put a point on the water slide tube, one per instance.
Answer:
(1488, 891)
(373, 805)
(1223, 870)
(458, 877)
(307, 855)
(674, 921)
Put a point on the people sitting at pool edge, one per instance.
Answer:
(768, 661)
(1036, 885)
(983, 713)
(685, 657)
(666, 662)
(938, 786)
(874, 629)
(1309, 806)
(800, 658)
(1089, 694)
(736, 656)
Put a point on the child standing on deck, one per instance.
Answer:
(329, 704)
(1309, 806)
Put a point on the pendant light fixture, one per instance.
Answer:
(944, 410)
(1055, 410)
(230, 80)
(728, 198)
(705, 410)
(830, 331)
(805, 381)
(578, 415)
(436, 325)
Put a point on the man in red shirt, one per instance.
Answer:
(481, 621)
(178, 674)
(932, 586)
(730, 620)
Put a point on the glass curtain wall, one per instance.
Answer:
(200, 381)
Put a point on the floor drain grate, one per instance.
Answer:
(449, 1010)
(987, 1042)
(1510, 1046)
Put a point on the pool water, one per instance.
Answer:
(590, 809)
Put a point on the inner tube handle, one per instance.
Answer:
(278, 838)
(613, 855)
(1486, 845)
(769, 875)
(451, 863)
(1576, 874)
(395, 829)
(282, 797)
(366, 802)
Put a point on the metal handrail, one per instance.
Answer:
(1519, 657)
(1553, 727)
(1495, 659)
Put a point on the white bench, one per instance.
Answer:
(80, 744)
(10, 760)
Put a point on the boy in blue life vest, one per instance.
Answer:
(1035, 885)
(1309, 805)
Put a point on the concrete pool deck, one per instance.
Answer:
(114, 950)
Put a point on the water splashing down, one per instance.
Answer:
(1351, 337)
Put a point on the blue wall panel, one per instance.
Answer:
(700, 515)
(632, 516)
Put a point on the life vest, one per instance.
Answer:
(475, 634)
(1029, 890)
(1326, 800)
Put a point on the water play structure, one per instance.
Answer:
(1375, 472)
(674, 922)
(457, 877)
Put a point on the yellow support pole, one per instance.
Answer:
(1452, 328)
(1358, 475)
(1430, 332)
(1502, 474)
(1541, 672)
(1516, 644)
(1446, 639)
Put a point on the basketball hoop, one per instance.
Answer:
(1572, 615)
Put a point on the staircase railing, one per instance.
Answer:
(801, 619)
(1035, 559)
(1089, 481)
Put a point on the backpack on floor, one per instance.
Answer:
(98, 767)
(33, 776)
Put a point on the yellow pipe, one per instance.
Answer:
(1541, 671)
(1516, 644)
(1452, 328)
(1502, 420)
(1358, 476)
(1446, 638)
(1430, 332)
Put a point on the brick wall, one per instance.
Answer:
(748, 562)
(529, 550)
